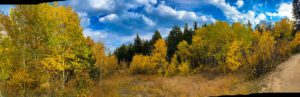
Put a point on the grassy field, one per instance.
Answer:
(196, 85)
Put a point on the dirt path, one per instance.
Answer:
(286, 77)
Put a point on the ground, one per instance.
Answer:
(285, 78)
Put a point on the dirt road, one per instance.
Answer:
(286, 77)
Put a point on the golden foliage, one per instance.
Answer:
(233, 56)
(158, 56)
(172, 68)
(184, 68)
(141, 64)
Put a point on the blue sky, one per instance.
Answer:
(114, 22)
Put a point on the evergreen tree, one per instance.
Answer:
(296, 13)
(187, 34)
(173, 39)
(121, 53)
(196, 26)
(155, 37)
(146, 48)
(138, 44)
(296, 9)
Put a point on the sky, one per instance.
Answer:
(116, 22)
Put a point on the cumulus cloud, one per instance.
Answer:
(121, 19)
(104, 7)
(239, 3)
(101, 4)
(253, 18)
(109, 18)
(284, 10)
(168, 16)
(233, 15)
(229, 11)
(149, 18)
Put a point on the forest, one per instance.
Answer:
(43, 52)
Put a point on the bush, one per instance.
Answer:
(141, 65)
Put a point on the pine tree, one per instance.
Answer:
(138, 44)
(156, 36)
(196, 26)
(296, 9)
(296, 14)
(187, 34)
(173, 39)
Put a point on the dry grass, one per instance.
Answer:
(178, 86)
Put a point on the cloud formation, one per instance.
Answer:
(239, 3)
(284, 10)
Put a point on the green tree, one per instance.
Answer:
(296, 9)
(187, 34)
(173, 39)
(138, 44)
(156, 36)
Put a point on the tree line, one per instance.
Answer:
(222, 46)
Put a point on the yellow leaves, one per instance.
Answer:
(109, 65)
(183, 51)
(296, 41)
(106, 64)
(21, 79)
(142, 65)
(233, 56)
(53, 63)
(266, 44)
(183, 68)
(160, 49)
(154, 63)
(158, 56)
(98, 50)
(283, 29)
(172, 68)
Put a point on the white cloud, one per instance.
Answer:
(233, 15)
(284, 10)
(239, 3)
(148, 21)
(121, 25)
(109, 18)
(168, 15)
(271, 14)
(127, 20)
(101, 4)
(97, 35)
(261, 16)
(229, 11)
(104, 7)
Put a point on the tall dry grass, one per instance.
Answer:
(179, 86)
